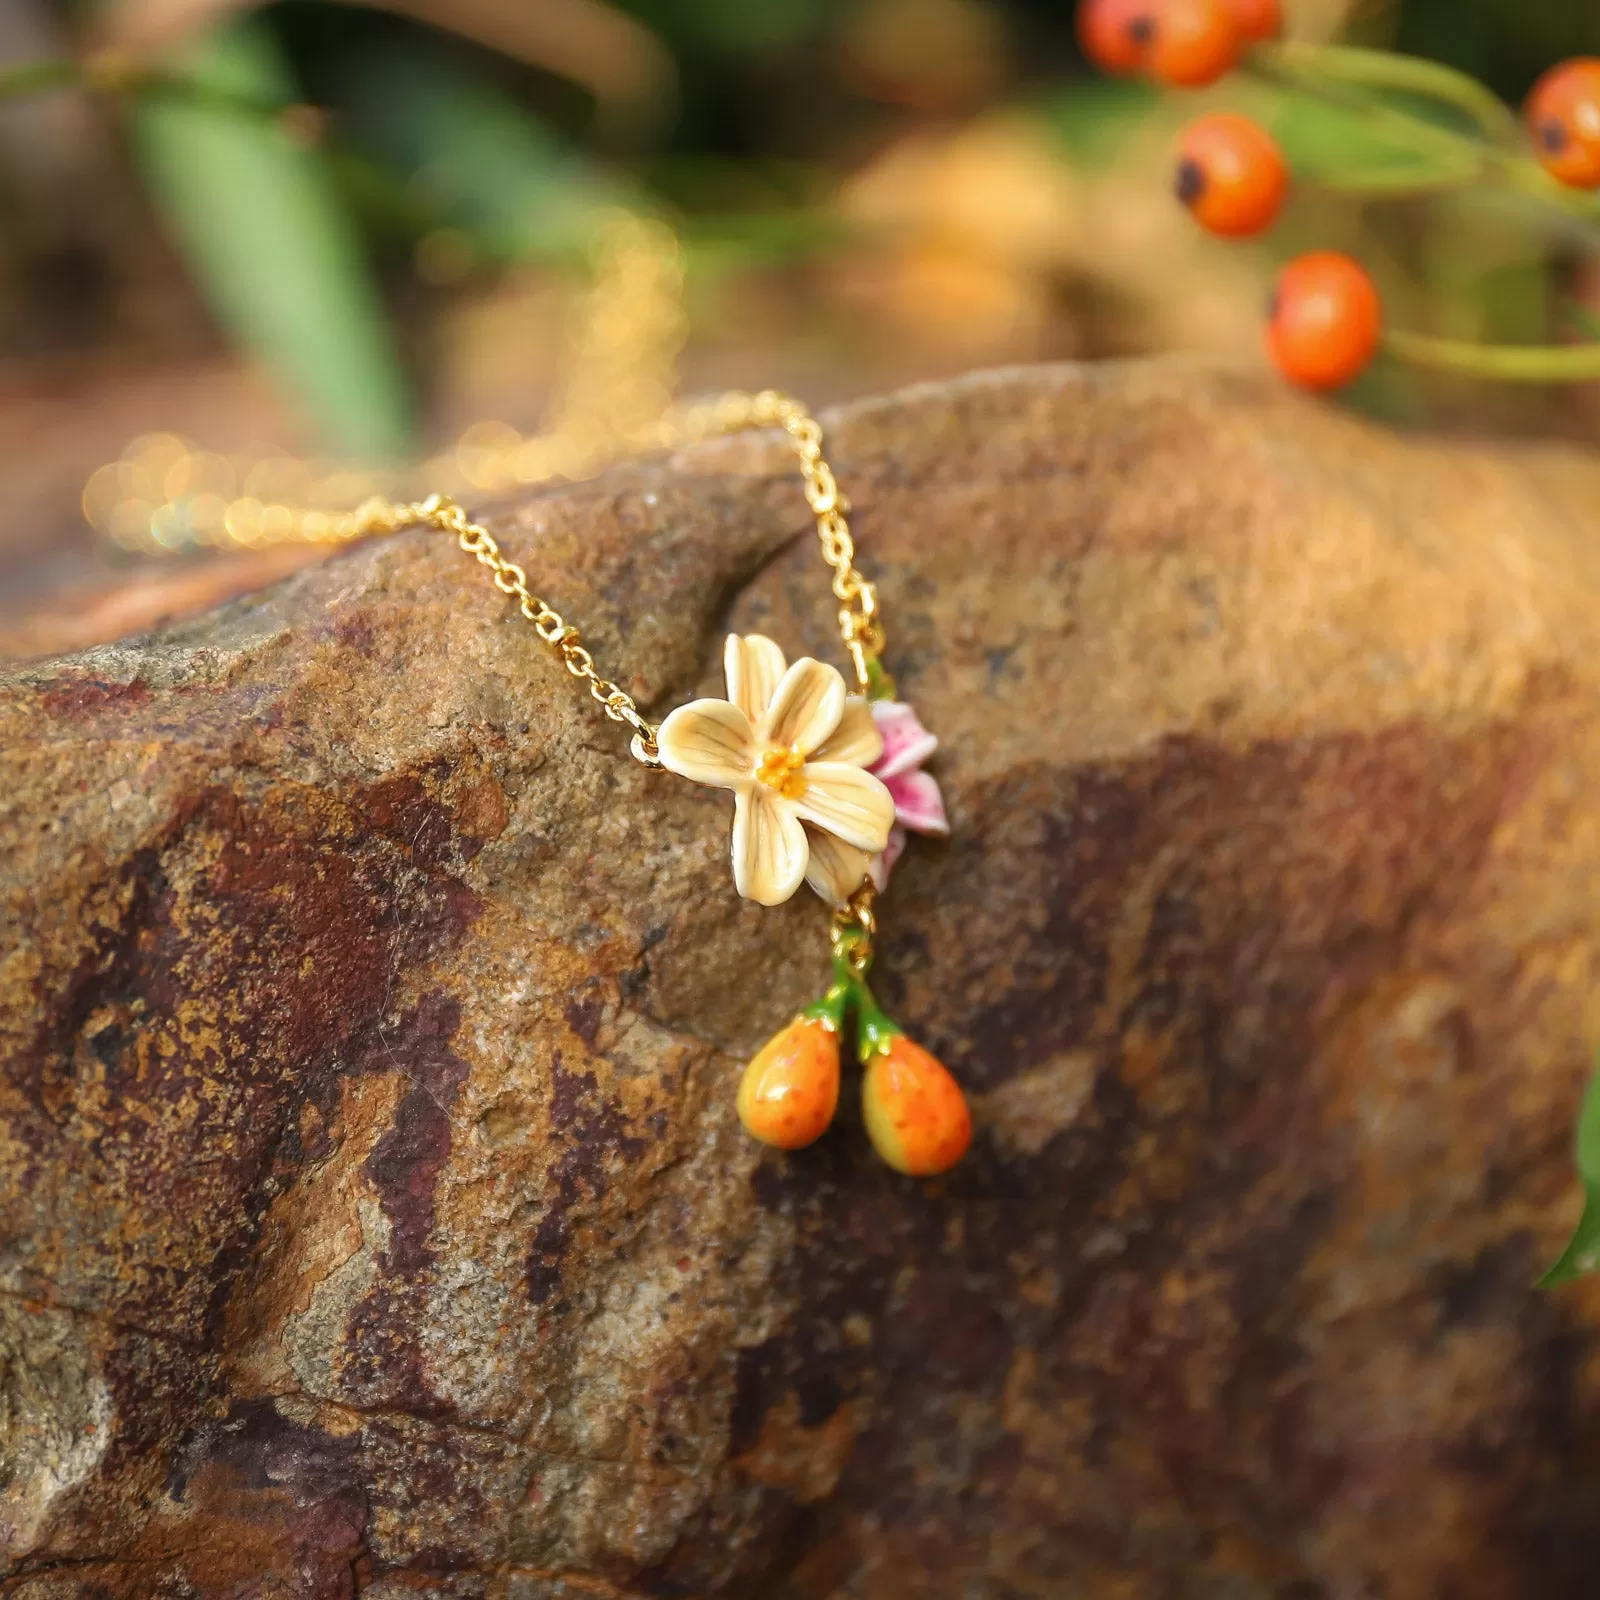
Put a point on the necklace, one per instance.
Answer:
(827, 780)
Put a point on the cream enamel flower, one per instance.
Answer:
(793, 746)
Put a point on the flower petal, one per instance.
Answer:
(856, 739)
(769, 846)
(708, 741)
(906, 743)
(918, 803)
(883, 862)
(836, 869)
(753, 666)
(847, 802)
(806, 707)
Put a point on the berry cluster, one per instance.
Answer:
(1184, 43)
(1325, 319)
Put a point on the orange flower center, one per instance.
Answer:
(780, 769)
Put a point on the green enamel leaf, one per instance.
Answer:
(258, 219)
(1582, 1255)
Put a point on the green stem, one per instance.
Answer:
(1385, 69)
(36, 77)
(880, 686)
(1501, 363)
(1379, 184)
(209, 96)
(875, 1028)
(833, 1005)
(1529, 177)
(1464, 157)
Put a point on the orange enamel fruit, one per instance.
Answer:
(1326, 320)
(1115, 34)
(1195, 42)
(1257, 19)
(1231, 174)
(1563, 114)
(790, 1090)
(915, 1111)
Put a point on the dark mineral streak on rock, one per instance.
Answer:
(373, 1215)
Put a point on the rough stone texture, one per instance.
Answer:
(373, 1214)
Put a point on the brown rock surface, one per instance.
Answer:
(373, 1214)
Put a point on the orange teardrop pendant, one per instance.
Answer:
(916, 1114)
(790, 1090)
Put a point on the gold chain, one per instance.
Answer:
(853, 936)
(441, 512)
(860, 626)
(165, 495)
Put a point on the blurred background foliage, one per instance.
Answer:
(360, 226)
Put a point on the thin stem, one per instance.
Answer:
(209, 96)
(1532, 179)
(36, 77)
(1402, 184)
(1385, 69)
(1293, 66)
(1501, 363)
(875, 1028)
(1457, 152)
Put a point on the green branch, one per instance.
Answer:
(1500, 363)
(1346, 78)
(1385, 69)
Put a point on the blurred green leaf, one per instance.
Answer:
(1582, 1254)
(1327, 143)
(257, 219)
(473, 159)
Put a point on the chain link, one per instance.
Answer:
(441, 512)
(853, 935)
(859, 624)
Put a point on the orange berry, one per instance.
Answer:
(790, 1090)
(1195, 42)
(1115, 34)
(1257, 19)
(1325, 322)
(1563, 114)
(915, 1111)
(1231, 174)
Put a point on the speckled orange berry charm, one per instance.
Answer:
(790, 1090)
(916, 1114)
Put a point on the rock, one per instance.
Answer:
(373, 1213)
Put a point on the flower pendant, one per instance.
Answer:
(794, 747)
(826, 785)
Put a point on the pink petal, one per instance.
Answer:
(882, 864)
(918, 805)
(906, 743)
